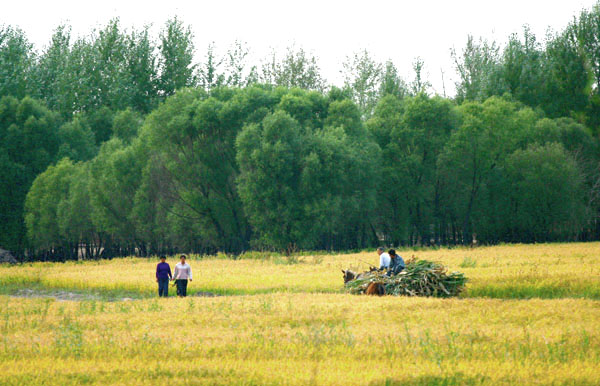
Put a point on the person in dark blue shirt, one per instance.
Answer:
(163, 276)
(396, 263)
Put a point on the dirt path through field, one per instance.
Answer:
(64, 295)
(59, 295)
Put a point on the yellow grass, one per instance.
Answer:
(286, 331)
(545, 270)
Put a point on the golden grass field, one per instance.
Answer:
(530, 315)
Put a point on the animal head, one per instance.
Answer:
(348, 275)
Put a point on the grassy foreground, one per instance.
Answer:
(285, 330)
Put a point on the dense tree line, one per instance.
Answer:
(120, 143)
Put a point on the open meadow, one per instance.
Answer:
(251, 132)
(530, 315)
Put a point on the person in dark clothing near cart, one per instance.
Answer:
(163, 276)
(397, 264)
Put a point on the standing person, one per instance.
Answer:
(384, 259)
(163, 275)
(183, 273)
(396, 263)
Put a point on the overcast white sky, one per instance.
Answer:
(397, 30)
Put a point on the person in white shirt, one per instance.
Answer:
(384, 259)
(181, 275)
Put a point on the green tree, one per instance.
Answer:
(392, 217)
(479, 68)
(582, 147)
(77, 141)
(489, 132)
(52, 74)
(109, 69)
(115, 178)
(76, 83)
(100, 121)
(74, 215)
(420, 84)
(308, 108)
(89, 74)
(111, 77)
(17, 59)
(391, 82)
(587, 30)
(141, 66)
(12, 193)
(236, 63)
(28, 144)
(567, 79)
(48, 190)
(294, 182)
(192, 137)
(522, 69)
(297, 68)
(545, 195)
(209, 75)
(362, 75)
(152, 213)
(351, 226)
(126, 124)
(573, 136)
(412, 135)
(176, 67)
